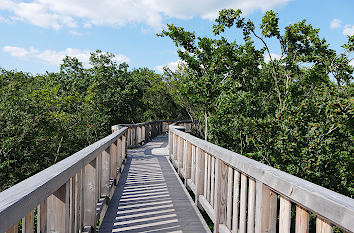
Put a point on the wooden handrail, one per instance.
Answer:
(68, 193)
(240, 194)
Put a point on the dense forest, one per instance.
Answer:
(293, 112)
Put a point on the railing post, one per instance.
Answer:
(114, 162)
(266, 209)
(89, 194)
(199, 174)
(119, 153)
(105, 174)
(58, 210)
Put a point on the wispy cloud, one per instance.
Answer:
(348, 30)
(55, 57)
(335, 23)
(71, 13)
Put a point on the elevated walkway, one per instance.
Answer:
(150, 197)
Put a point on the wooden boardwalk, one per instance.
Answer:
(150, 197)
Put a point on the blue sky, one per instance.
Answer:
(37, 34)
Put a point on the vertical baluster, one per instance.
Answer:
(266, 209)
(181, 147)
(206, 176)
(188, 160)
(235, 205)
(221, 183)
(212, 182)
(42, 217)
(302, 220)
(114, 157)
(98, 176)
(82, 198)
(200, 170)
(90, 198)
(243, 203)
(58, 210)
(322, 226)
(78, 188)
(120, 155)
(284, 215)
(229, 197)
(28, 223)
(105, 172)
(193, 168)
(72, 204)
(13, 229)
(251, 205)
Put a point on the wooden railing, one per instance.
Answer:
(143, 132)
(72, 194)
(242, 195)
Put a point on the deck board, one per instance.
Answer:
(150, 197)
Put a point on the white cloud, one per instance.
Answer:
(274, 56)
(67, 13)
(55, 57)
(348, 30)
(75, 33)
(335, 23)
(171, 65)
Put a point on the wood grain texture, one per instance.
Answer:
(42, 217)
(114, 163)
(322, 226)
(28, 223)
(188, 160)
(23, 197)
(105, 173)
(13, 229)
(243, 203)
(89, 196)
(212, 182)
(58, 210)
(333, 206)
(284, 215)
(229, 197)
(266, 209)
(302, 220)
(251, 205)
(200, 170)
(235, 201)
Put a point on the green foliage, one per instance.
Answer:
(286, 112)
(46, 118)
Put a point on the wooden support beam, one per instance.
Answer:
(302, 220)
(266, 209)
(200, 157)
(42, 217)
(235, 203)
(251, 205)
(28, 223)
(322, 226)
(221, 171)
(58, 210)
(89, 194)
(105, 173)
(284, 215)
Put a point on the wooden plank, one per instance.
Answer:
(181, 150)
(78, 188)
(206, 165)
(184, 167)
(120, 153)
(124, 146)
(58, 210)
(200, 158)
(235, 203)
(243, 203)
(28, 223)
(266, 209)
(229, 197)
(98, 175)
(302, 220)
(82, 198)
(105, 173)
(251, 205)
(114, 161)
(90, 199)
(209, 179)
(188, 160)
(212, 182)
(221, 172)
(284, 215)
(72, 204)
(13, 229)
(23, 197)
(333, 206)
(42, 217)
(322, 226)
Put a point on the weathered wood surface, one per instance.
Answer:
(332, 206)
(23, 197)
(150, 197)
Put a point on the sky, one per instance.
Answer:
(37, 34)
